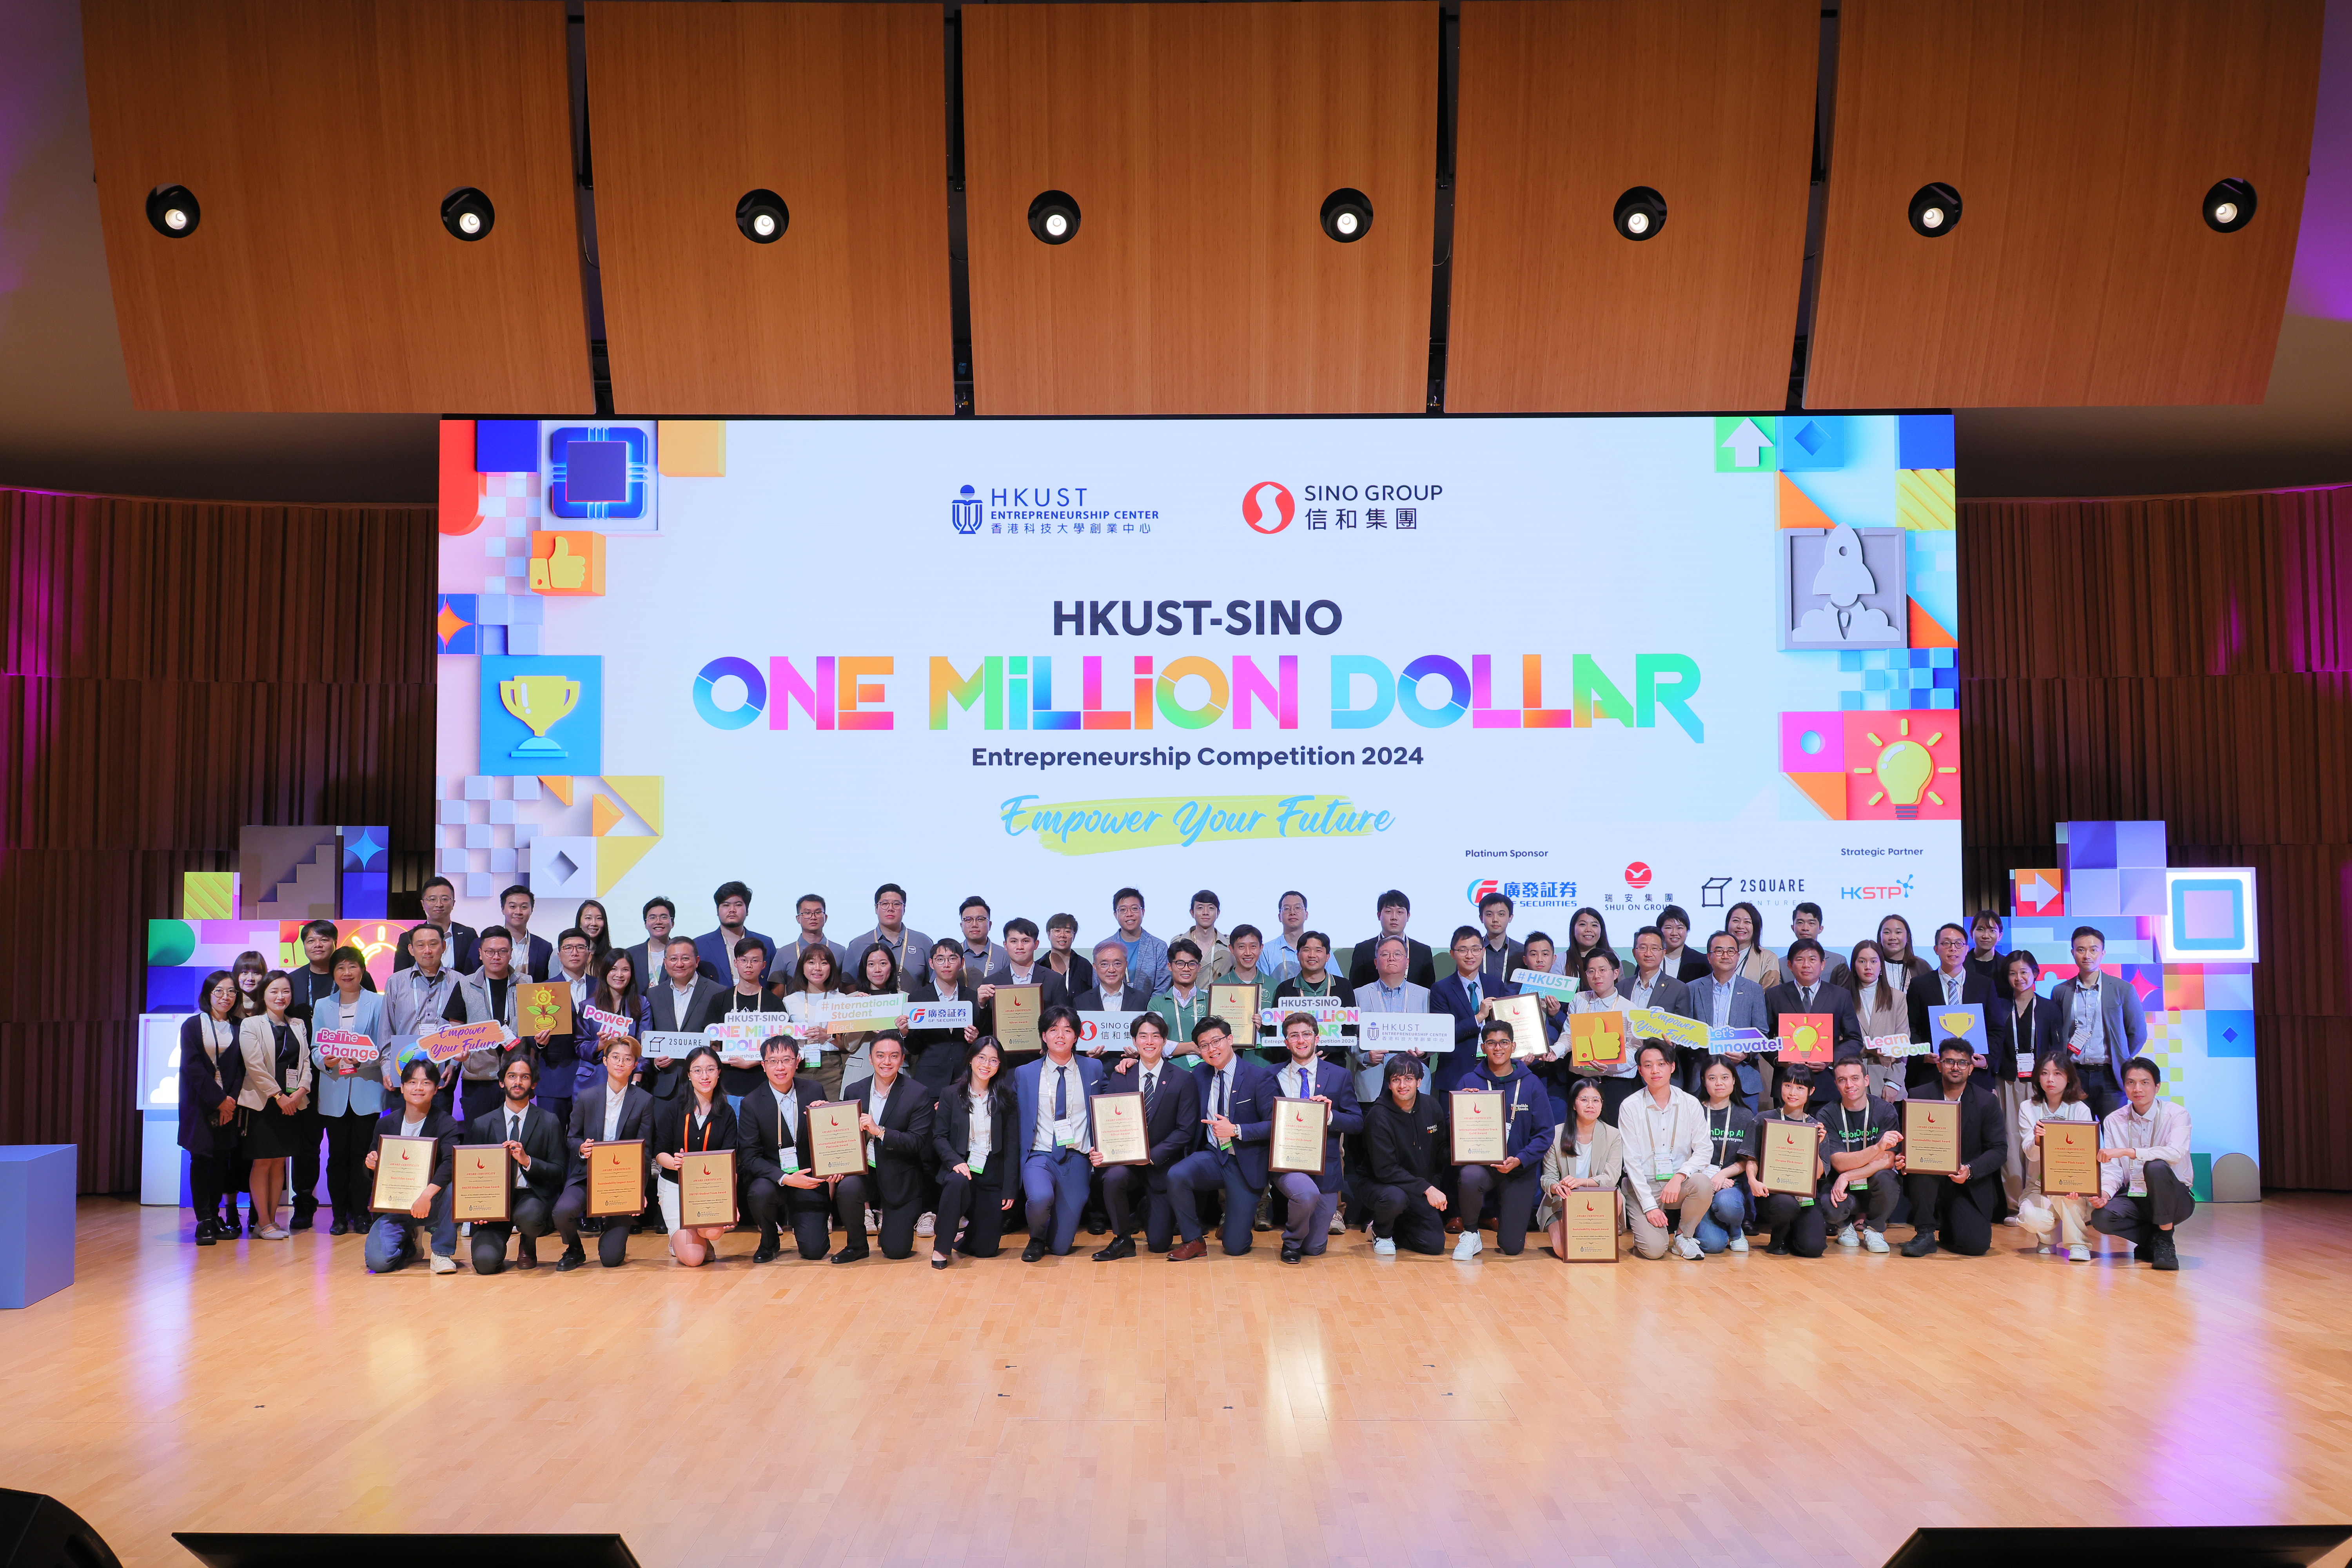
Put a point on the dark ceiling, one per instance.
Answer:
(66, 420)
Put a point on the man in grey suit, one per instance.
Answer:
(908, 947)
(1650, 985)
(1724, 998)
(2101, 1021)
(682, 1001)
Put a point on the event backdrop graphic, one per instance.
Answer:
(1616, 662)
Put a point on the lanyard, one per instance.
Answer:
(686, 1142)
(1720, 1136)
(1845, 1127)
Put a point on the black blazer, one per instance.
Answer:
(542, 1140)
(459, 957)
(1406, 1149)
(1926, 992)
(906, 1139)
(708, 1006)
(440, 1126)
(759, 1154)
(1834, 1000)
(935, 1056)
(1174, 1114)
(733, 1079)
(1131, 999)
(2043, 1031)
(1984, 1140)
(588, 1125)
(309, 985)
(204, 1084)
(951, 1131)
(1053, 991)
(671, 1122)
(1692, 966)
(1420, 969)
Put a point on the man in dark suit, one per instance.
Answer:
(1394, 910)
(457, 939)
(1951, 983)
(715, 950)
(896, 1117)
(1171, 1115)
(1314, 1198)
(534, 955)
(1056, 1134)
(771, 1134)
(1463, 993)
(620, 1113)
(534, 1140)
(1020, 966)
(1228, 1146)
(1961, 1207)
(1112, 992)
(1808, 992)
(936, 1056)
(682, 1001)
(392, 1238)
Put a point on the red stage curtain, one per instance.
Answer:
(2187, 658)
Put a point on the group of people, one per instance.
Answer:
(965, 1137)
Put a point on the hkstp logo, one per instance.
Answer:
(1253, 508)
(1637, 875)
(1899, 889)
(966, 512)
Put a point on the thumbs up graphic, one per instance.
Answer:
(570, 562)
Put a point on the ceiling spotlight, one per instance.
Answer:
(2229, 206)
(1346, 214)
(1640, 212)
(1935, 210)
(1054, 217)
(172, 210)
(762, 217)
(466, 213)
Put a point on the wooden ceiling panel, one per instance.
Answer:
(1567, 104)
(840, 111)
(320, 137)
(1199, 141)
(2082, 136)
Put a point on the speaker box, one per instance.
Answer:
(39, 1532)
(238, 1550)
(2197, 1546)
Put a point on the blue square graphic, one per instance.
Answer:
(458, 624)
(2140, 844)
(1924, 441)
(506, 446)
(2228, 1032)
(543, 714)
(597, 473)
(2209, 915)
(1812, 441)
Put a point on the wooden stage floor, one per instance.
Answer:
(1411, 1411)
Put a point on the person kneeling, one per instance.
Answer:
(1404, 1135)
(1862, 1137)
(617, 1111)
(2044, 1214)
(1515, 1182)
(1172, 1115)
(896, 1121)
(1670, 1187)
(1056, 1133)
(1794, 1220)
(1314, 1198)
(534, 1142)
(392, 1240)
(1586, 1154)
(2145, 1148)
(1961, 1206)
(695, 1122)
(772, 1146)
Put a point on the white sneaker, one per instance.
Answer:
(441, 1265)
(1685, 1247)
(873, 1220)
(2009, 1219)
(467, 1229)
(271, 1233)
(1738, 1244)
(1469, 1246)
(2079, 1253)
(1874, 1241)
(1846, 1237)
(1383, 1247)
(1338, 1226)
(924, 1226)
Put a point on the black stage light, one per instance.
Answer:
(1054, 217)
(1346, 214)
(1935, 209)
(762, 217)
(466, 213)
(1640, 214)
(172, 210)
(2229, 206)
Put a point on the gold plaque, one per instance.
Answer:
(1299, 1143)
(1588, 1218)
(482, 1187)
(836, 1148)
(1931, 1138)
(2070, 1158)
(404, 1168)
(1789, 1156)
(1481, 1128)
(1119, 1132)
(617, 1179)
(705, 1188)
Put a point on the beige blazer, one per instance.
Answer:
(1608, 1163)
(256, 1043)
(1764, 968)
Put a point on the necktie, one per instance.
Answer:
(1471, 988)
(514, 1129)
(1220, 1094)
(1151, 1085)
(1808, 994)
(1951, 991)
(1306, 1091)
(1061, 1093)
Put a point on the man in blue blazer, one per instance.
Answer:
(1464, 994)
(1229, 1149)
(1313, 1198)
(1726, 999)
(1056, 1134)
(715, 950)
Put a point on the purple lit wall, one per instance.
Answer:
(2322, 284)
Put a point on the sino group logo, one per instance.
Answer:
(1269, 507)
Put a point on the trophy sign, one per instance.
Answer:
(542, 702)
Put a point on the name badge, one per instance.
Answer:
(1065, 1132)
(790, 1161)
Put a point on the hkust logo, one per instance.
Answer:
(1035, 509)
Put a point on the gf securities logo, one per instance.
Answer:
(1269, 507)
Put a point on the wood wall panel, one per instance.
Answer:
(169, 672)
(840, 110)
(2082, 136)
(1199, 142)
(1565, 105)
(2186, 659)
(320, 137)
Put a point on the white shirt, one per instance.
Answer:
(2162, 1134)
(982, 1129)
(2090, 1021)
(411, 1129)
(1073, 1104)
(1662, 1142)
(1292, 1084)
(613, 1099)
(681, 997)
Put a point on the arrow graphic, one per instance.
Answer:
(1746, 443)
(2037, 890)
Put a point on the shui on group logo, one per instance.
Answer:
(1255, 509)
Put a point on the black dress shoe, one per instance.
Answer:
(208, 1232)
(1098, 1228)
(1920, 1246)
(1778, 1249)
(339, 1227)
(1122, 1246)
(1034, 1251)
(847, 1256)
(2162, 1254)
(769, 1251)
(302, 1221)
(1292, 1251)
(941, 1262)
(573, 1258)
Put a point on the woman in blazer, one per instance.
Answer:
(350, 1094)
(211, 1069)
(1745, 921)
(276, 1091)
(816, 974)
(689, 1123)
(973, 1134)
(1880, 1009)
(1902, 964)
(1585, 1153)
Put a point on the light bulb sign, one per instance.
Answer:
(1615, 663)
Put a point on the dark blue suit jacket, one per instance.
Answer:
(718, 951)
(1250, 1110)
(1334, 1084)
(1448, 996)
(1027, 1081)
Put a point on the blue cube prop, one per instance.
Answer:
(36, 1221)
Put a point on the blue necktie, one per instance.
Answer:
(1471, 988)
(1061, 1093)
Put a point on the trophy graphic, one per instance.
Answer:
(541, 701)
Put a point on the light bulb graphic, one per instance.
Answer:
(1904, 768)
